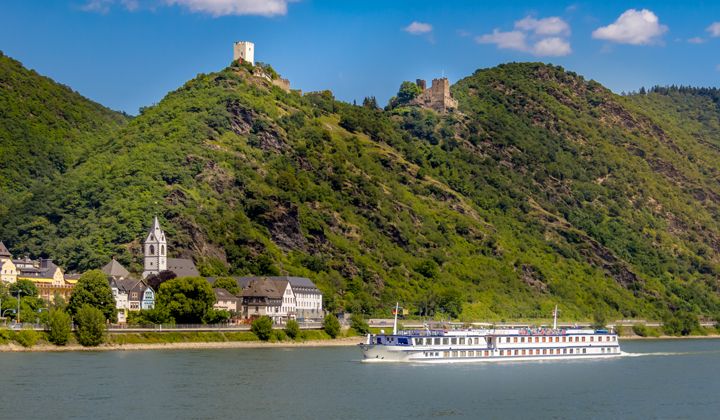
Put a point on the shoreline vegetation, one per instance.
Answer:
(36, 341)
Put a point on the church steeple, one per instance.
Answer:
(155, 249)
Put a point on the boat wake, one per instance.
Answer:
(668, 353)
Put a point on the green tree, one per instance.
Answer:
(227, 283)
(599, 320)
(187, 299)
(358, 323)
(681, 323)
(147, 317)
(262, 327)
(90, 322)
(93, 289)
(26, 287)
(331, 325)
(217, 316)
(407, 92)
(292, 329)
(58, 327)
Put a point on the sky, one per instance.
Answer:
(126, 54)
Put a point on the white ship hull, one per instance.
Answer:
(482, 346)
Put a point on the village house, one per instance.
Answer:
(305, 299)
(117, 274)
(225, 300)
(49, 279)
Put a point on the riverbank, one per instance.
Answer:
(44, 347)
(669, 337)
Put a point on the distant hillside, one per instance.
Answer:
(544, 189)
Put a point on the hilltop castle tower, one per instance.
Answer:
(244, 51)
(436, 97)
(155, 248)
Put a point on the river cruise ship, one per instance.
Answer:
(488, 345)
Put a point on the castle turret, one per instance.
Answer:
(155, 249)
(244, 51)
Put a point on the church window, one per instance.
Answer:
(162, 249)
(152, 249)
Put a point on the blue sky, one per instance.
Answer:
(129, 53)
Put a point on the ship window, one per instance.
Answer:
(486, 353)
(514, 339)
(571, 351)
(502, 352)
(564, 351)
(544, 351)
(454, 354)
(537, 339)
(564, 339)
(592, 339)
(557, 339)
(522, 339)
(584, 350)
(445, 341)
(453, 341)
(583, 339)
(516, 352)
(543, 339)
(523, 352)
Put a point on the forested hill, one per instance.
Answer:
(544, 189)
(45, 130)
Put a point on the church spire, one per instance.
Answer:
(155, 250)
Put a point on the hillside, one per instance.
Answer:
(544, 189)
(45, 130)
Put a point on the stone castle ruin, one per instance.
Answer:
(244, 52)
(437, 97)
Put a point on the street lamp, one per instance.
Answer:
(5, 311)
(17, 318)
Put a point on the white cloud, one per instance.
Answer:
(635, 27)
(211, 7)
(541, 37)
(696, 40)
(234, 7)
(714, 29)
(97, 6)
(551, 47)
(512, 40)
(548, 26)
(418, 28)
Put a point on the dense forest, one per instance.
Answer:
(542, 189)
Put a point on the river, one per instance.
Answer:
(660, 379)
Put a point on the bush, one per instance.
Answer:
(58, 327)
(90, 326)
(292, 329)
(262, 327)
(681, 323)
(279, 335)
(640, 329)
(358, 323)
(331, 325)
(27, 338)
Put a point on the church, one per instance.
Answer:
(133, 294)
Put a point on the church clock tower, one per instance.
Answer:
(155, 249)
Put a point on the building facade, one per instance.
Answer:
(226, 301)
